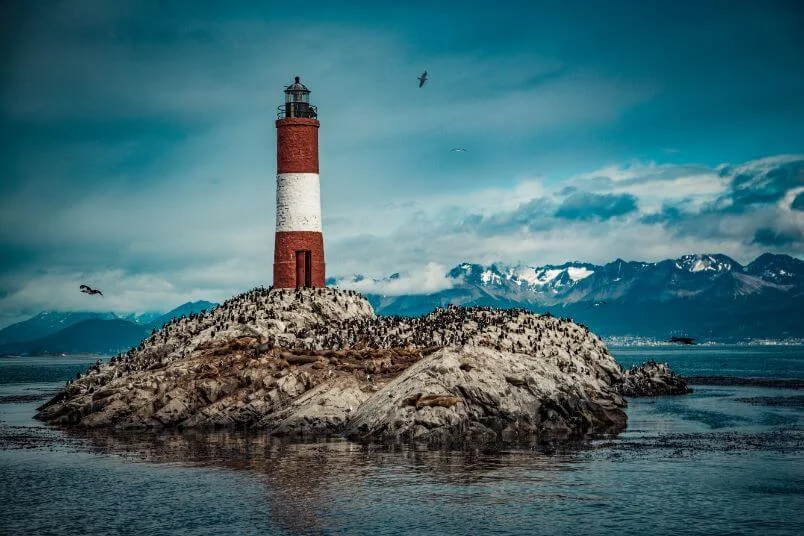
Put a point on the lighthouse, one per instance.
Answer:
(299, 243)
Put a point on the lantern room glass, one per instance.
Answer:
(297, 101)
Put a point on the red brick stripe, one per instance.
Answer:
(297, 145)
(286, 245)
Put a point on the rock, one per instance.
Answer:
(320, 412)
(438, 400)
(652, 379)
(318, 362)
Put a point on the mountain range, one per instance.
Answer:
(706, 296)
(87, 332)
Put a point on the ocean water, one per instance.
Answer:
(722, 460)
(779, 361)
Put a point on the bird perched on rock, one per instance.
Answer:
(423, 79)
(89, 290)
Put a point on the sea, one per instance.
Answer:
(724, 460)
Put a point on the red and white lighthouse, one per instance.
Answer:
(299, 245)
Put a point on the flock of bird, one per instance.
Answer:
(327, 319)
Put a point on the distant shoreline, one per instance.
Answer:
(780, 383)
(624, 342)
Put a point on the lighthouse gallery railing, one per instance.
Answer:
(297, 109)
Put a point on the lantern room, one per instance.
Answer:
(297, 102)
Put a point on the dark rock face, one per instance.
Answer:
(652, 379)
(318, 362)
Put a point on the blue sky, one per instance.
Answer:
(140, 146)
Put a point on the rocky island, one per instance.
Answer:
(318, 362)
(652, 379)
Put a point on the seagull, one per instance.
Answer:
(423, 79)
(457, 150)
(89, 290)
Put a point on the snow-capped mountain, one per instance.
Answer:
(534, 278)
(705, 294)
(705, 263)
(779, 269)
(688, 276)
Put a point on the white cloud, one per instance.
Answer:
(424, 280)
(657, 184)
(121, 292)
(506, 232)
(763, 165)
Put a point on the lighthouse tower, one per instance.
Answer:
(299, 245)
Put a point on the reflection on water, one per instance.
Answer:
(306, 481)
(724, 470)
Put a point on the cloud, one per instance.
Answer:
(798, 202)
(749, 204)
(57, 289)
(593, 226)
(776, 238)
(425, 280)
(657, 185)
(669, 212)
(532, 215)
(762, 182)
(589, 206)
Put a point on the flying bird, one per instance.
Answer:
(89, 290)
(423, 79)
(457, 150)
(596, 304)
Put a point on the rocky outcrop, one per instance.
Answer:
(476, 393)
(319, 362)
(652, 379)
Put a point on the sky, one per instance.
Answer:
(140, 147)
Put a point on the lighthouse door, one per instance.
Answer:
(304, 268)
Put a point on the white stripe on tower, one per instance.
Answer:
(298, 202)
